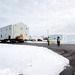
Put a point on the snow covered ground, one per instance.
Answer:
(30, 60)
(36, 41)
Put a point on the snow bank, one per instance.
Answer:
(36, 41)
(30, 60)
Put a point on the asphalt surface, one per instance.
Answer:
(67, 47)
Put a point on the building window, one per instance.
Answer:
(21, 28)
(54, 38)
(9, 37)
(26, 34)
(26, 28)
(1, 36)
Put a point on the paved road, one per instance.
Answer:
(52, 46)
(65, 49)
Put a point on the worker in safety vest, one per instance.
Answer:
(48, 40)
(58, 41)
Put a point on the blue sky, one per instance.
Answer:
(57, 16)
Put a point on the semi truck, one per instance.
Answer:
(14, 33)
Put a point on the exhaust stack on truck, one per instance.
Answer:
(14, 33)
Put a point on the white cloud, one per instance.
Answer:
(42, 15)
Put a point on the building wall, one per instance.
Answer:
(64, 37)
(69, 37)
(20, 29)
(5, 32)
(54, 37)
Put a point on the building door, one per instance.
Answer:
(9, 37)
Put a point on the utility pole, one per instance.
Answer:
(47, 32)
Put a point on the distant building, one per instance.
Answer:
(64, 37)
(54, 37)
(69, 37)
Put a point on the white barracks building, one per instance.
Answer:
(13, 30)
